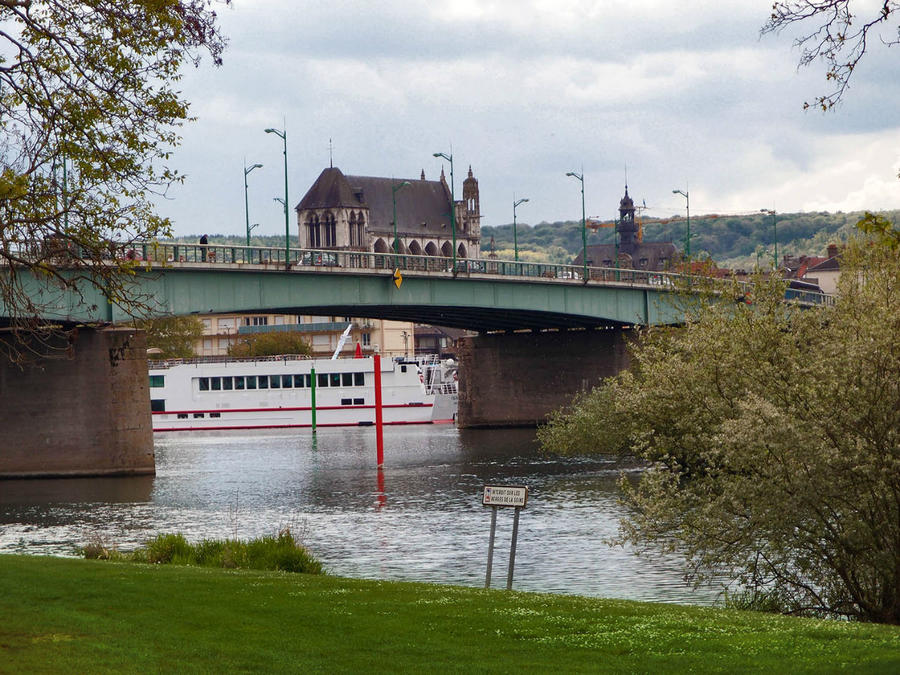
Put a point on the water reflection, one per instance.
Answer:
(419, 519)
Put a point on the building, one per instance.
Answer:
(440, 340)
(827, 272)
(389, 338)
(630, 251)
(356, 213)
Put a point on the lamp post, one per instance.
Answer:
(771, 212)
(282, 134)
(449, 158)
(580, 178)
(516, 202)
(246, 202)
(687, 239)
(394, 190)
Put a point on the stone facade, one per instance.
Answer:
(356, 213)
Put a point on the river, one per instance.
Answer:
(421, 521)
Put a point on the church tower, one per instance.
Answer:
(471, 211)
(626, 227)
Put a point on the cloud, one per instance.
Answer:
(682, 93)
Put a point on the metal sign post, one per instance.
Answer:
(496, 496)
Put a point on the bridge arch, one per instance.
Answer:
(461, 251)
(447, 250)
(431, 249)
(415, 248)
(381, 246)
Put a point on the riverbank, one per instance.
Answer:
(68, 615)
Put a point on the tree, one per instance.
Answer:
(772, 440)
(88, 117)
(841, 38)
(175, 336)
(273, 343)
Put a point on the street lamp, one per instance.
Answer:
(516, 202)
(687, 240)
(771, 212)
(394, 190)
(449, 158)
(282, 134)
(246, 203)
(580, 178)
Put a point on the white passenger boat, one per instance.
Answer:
(277, 392)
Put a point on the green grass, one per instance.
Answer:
(68, 615)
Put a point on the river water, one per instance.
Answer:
(422, 520)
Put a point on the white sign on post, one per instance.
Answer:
(505, 495)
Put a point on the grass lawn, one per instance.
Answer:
(66, 615)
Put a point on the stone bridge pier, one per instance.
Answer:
(517, 379)
(83, 412)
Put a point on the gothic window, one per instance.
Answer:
(354, 234)
(330, 230)
(361, 225)
(313, 235)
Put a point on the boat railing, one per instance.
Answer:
(160, 364)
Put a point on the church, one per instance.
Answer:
(631, 251)
(356, 213)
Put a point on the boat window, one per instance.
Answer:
(158, 404)
(359, 401)
(275, 382)
(251, 382)
(239, 382)
(402, 369)
(322, 380)
(227, 384)
(157, 380)
(215, 414)
(346, 401)
(300, 381)
(198, 415)
(335, 379)
(359, 379)
(286, 381)
(347, 379)
(204, 383)
(182, 416)
(216, 383)
(263, 382)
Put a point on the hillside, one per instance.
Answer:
(732, 241)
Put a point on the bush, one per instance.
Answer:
(280, 552)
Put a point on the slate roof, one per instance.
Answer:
(832, 264)
(423, 206)
(660, 255)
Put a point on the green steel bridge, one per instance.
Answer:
(484, 295)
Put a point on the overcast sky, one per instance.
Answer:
(684, 94)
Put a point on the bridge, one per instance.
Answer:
(545, 332)
(482, 295)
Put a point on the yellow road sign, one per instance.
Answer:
(398, 278)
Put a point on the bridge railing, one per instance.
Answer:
(325, 260)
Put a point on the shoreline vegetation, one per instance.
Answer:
(72, 615)
(281, 552)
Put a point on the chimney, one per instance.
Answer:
(832, 250)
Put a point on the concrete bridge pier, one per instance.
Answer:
(517, 379)
(83, 412)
